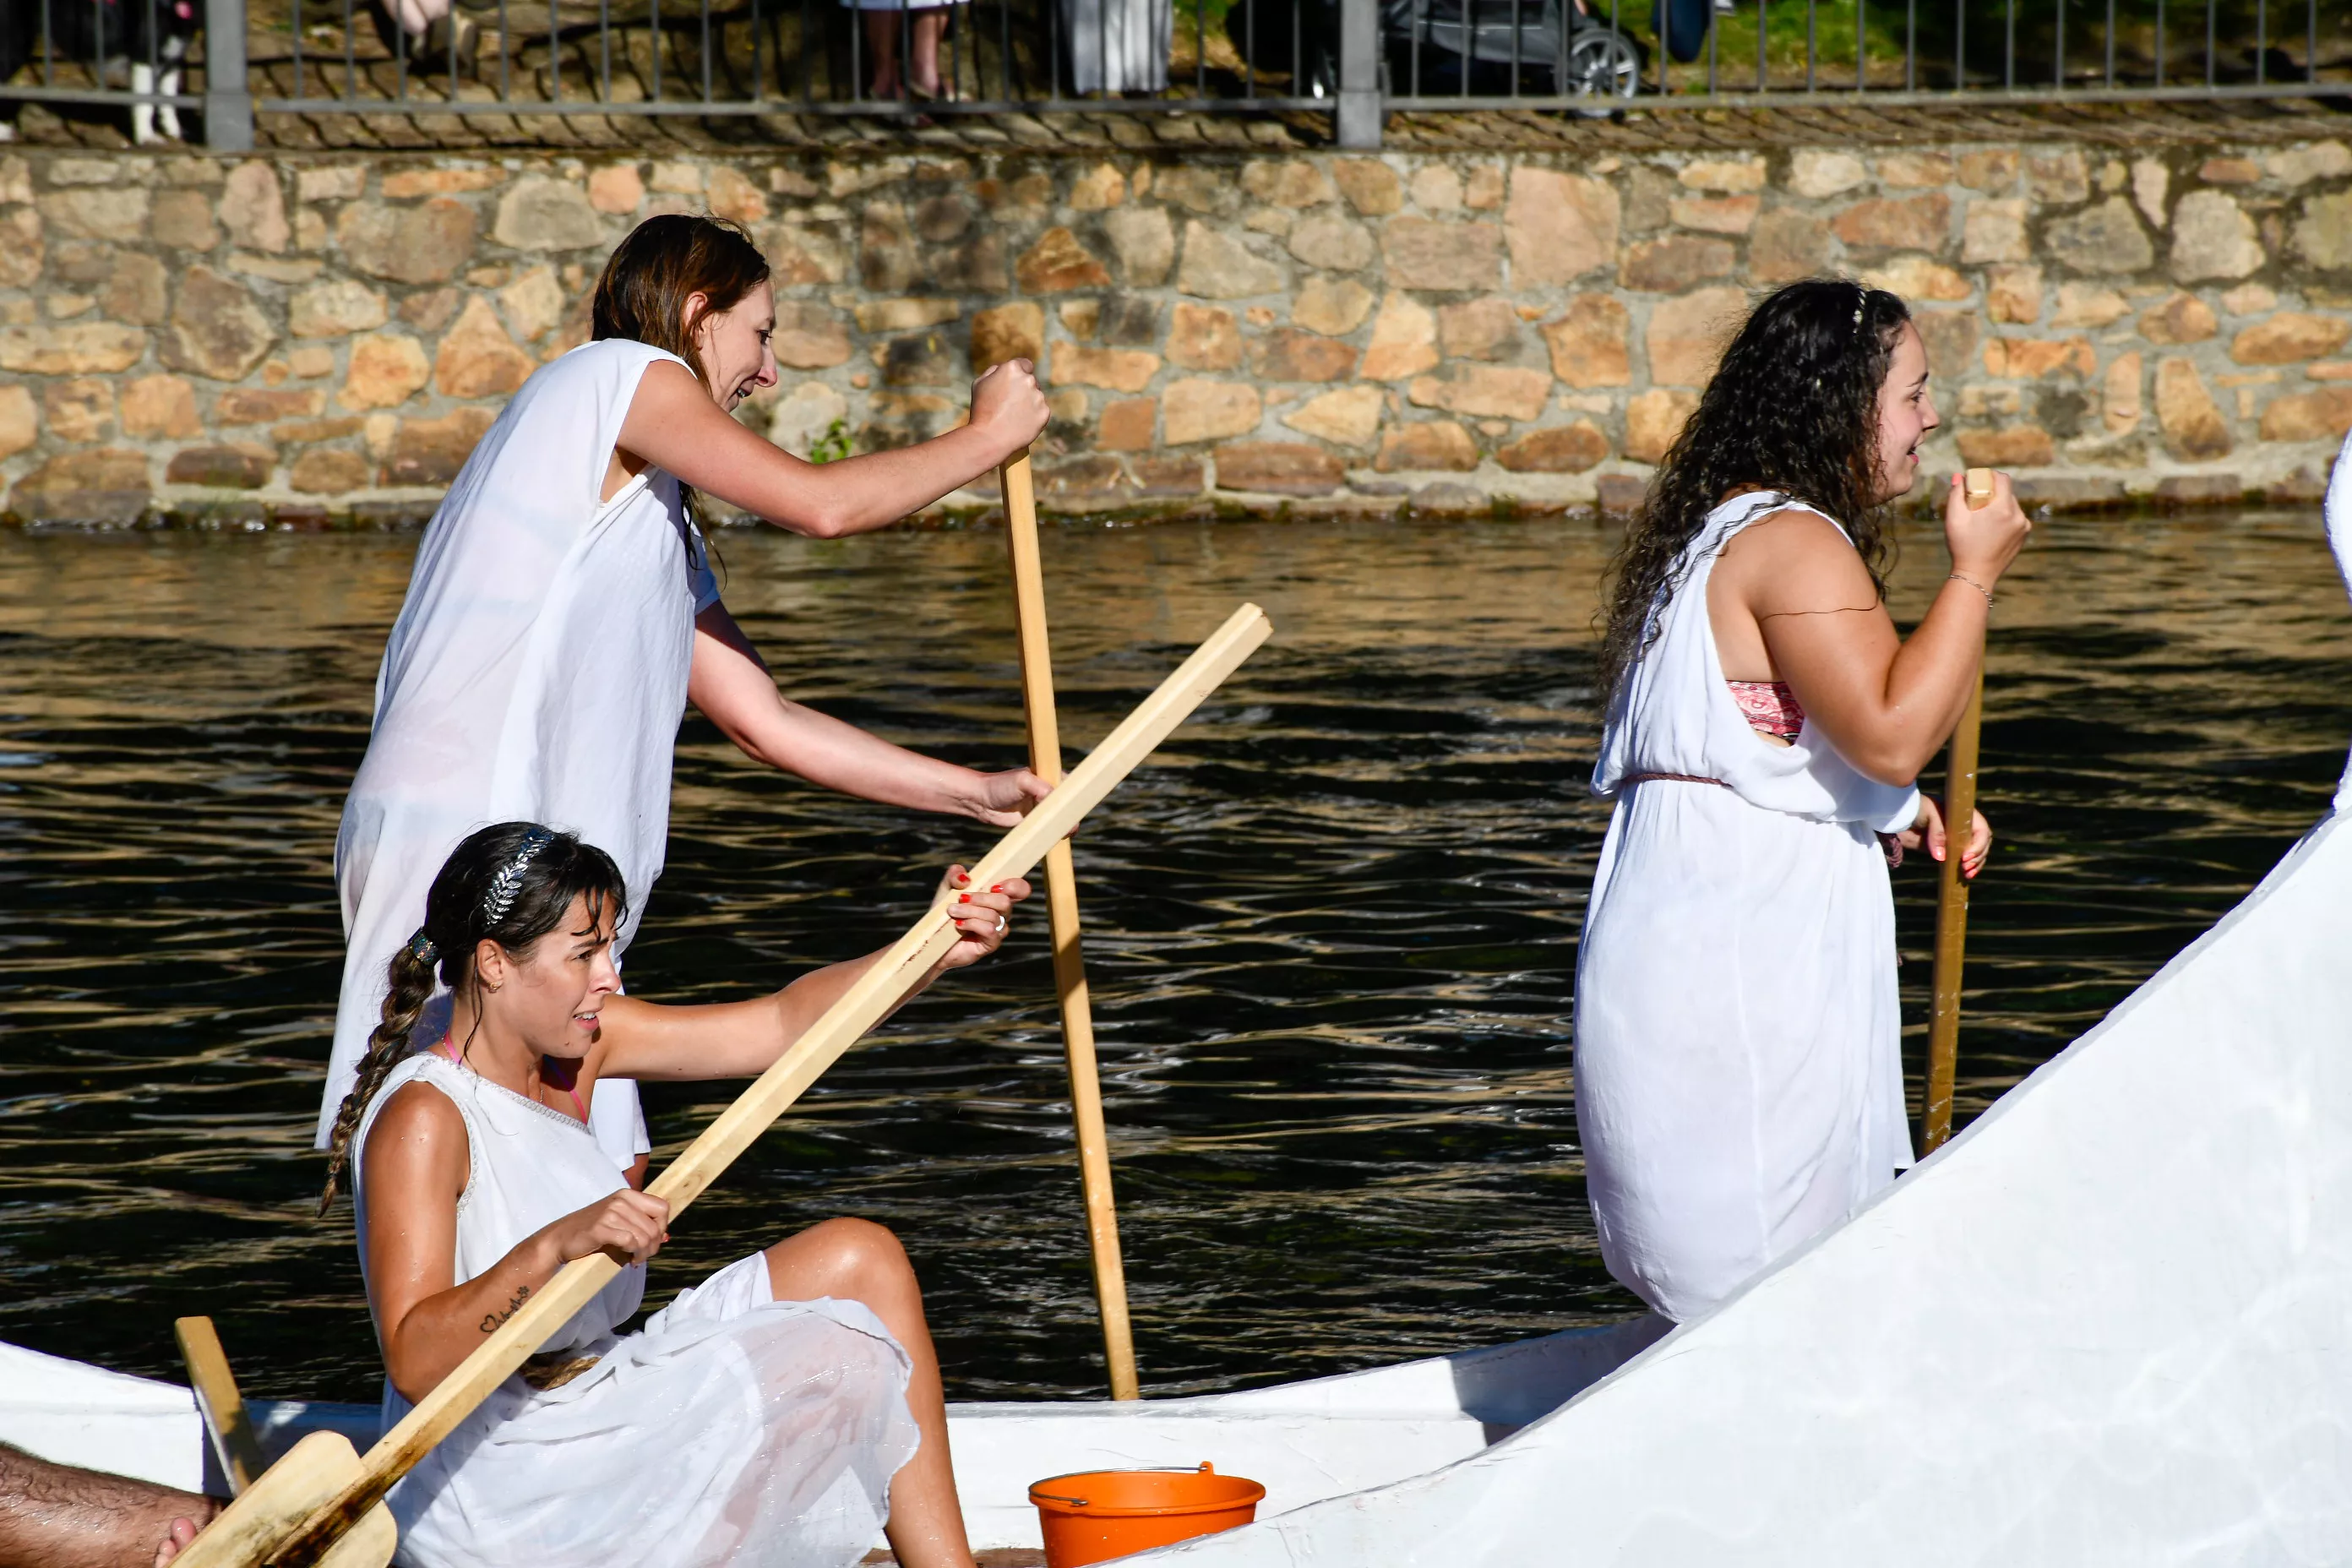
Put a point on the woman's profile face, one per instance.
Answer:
(734, 345)
(1907, 416)
(550, 993)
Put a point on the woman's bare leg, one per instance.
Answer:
(882, 48)
(923, 69)
(856, 1261)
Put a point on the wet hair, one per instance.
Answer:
(511, 884)
(1794, 407)
(665, 261)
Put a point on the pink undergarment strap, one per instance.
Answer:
(1769, 706)
(447, 1047)
(1670, 778)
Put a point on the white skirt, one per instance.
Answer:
(733, 1428)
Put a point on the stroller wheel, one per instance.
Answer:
(1600, 64)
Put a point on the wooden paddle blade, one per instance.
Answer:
(218, 1402)
(367, 1544)
(313, 1472)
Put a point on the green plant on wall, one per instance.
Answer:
(833, 446)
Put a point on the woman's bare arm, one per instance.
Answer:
(731, 686)
(673, 425)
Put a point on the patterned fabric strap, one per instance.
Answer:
(1769, 706)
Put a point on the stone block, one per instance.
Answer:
(385, 370)
(2061, 176)
(104, 484)
(1677, 262)
(1218, 266)
(1332, 242)
(2088, 305)
(183, 220)
(921, 359)
(1562, 449)
(1561, 227)
(2194, 429)
(1405, 340)
(2120, 405)
(1097, 189)
(1279, 467)
(2323, 414)
(1198, 189)
(1788, 245)
(1485, 391)
(477, 359)
(1914, 170)
(20, 420)
(216, 329)
(330, 471)
(330, 183)
(1916, 279)
(1117, 370)
(79, 408)
(1619, 496)
(75, 348)
(2250, 300)
(157, 407)
(2213, 237)
(2017, 447)
(108, 212)
(2322, 232)
(1421, 253)
(253, 208)
(1008, 333)
(431, 311)
(2229, 171)
(2200, 490)
(805, 415)
(2014, 294)
(238, 467)
(804, 253)
(1991, 169)
(424, 244)
(309, 432)
(1196, 409)
(266, 405)
(1687, 335)
(336, 308)
(1906, 223)
(1435, 188)
(2106, 238)
(1479, 329)
(1080, 318)
(1370, 186)
(1589, 343)
(1715, 214)
(2150, 180)
(533, 303)
(1093, 482)
(1994, 230)
(2315, 161)
(1169, 474)
(407, 184)
(1128, 425)
(904, 315)
(1144, 242)
(22, 250)
(1432, 446)
(2290, 336)
(1729, 174)
(2181, 319)
(1819, 172)
(540, 214)
(1331, 307)
(432, 451)
(615, 189)
(1345, 417)
(2028, 359)
(733, 197)
(1654, 419)
(1293, 353)
(1483, 192)
(136, 289)
(1057, 263)
(809, 336)
(1294, 183)
(1202, 337)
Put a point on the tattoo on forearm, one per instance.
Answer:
(492, 1320)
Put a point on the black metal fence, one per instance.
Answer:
(1353, 58)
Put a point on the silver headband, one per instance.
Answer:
(508, 883)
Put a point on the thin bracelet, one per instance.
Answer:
(1964, 577)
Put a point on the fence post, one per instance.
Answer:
(1359, 74)
(228, 99)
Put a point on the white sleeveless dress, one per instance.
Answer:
(537, 672)
(733, 1428)
(1738, 1067)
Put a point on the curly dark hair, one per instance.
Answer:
(1794, 407)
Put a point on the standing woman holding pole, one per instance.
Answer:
(1738, 1068)
(562, 613)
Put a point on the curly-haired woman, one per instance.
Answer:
(561, 613)
(776, 1412)
(1739, 1075)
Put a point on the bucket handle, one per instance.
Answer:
(1205, 1468)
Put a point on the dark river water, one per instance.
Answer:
(1332, 929)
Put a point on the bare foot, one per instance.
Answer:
(182, 1536)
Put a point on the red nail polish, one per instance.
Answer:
(963, 898)
(996, 888)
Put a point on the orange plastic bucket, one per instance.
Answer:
(1093, 1516)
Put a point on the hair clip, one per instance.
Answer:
(508, 883)
(421, 948)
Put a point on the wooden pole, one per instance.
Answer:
(1062, 910)
(1952, 897)
(323, 1502)
(218, 1402)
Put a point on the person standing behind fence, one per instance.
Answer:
(1118, 46)
(1739, 1072)
(562, 612)
(924, 24)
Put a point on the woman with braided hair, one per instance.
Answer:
(777, 1413)
(1739, 1075)
(562, 614)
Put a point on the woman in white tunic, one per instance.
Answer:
(778, 1412)
(1738, 1074)
(562, 612)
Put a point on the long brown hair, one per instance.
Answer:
(664, 262)
(511, 884)
(1794, 407)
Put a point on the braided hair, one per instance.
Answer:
(1794, 407)
(511, 884)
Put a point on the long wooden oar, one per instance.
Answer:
(219, 1403)
(323, 1503)
(1062, 915)
(1952, 896)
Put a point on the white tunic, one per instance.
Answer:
(537, 672)
(733, 1428)
(1738, 1068)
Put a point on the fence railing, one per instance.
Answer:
(1353, 59)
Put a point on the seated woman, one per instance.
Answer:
(1739, 1072)
(776, 1412)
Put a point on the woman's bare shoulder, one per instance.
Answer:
(418, 1129)
(1794, 558)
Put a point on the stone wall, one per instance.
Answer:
(308, 337)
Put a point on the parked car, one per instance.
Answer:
(1558, 46)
